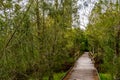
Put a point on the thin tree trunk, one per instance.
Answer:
(40, 70)
(38, 16)
(117, 42)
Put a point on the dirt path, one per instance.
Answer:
(83, 70)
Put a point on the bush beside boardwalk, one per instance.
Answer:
(105, 76)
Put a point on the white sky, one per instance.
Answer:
(85, 11)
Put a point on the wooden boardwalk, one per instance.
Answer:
(83, 69)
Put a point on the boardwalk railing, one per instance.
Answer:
(92, 59)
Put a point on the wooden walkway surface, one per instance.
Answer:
(83, 69)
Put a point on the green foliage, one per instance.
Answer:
(103, 36)
(105, 76)
(57, 76)
(35, 39)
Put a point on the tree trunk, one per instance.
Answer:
(38, 17)
(117, 42)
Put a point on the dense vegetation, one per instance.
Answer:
(38, 40)
(103, 34)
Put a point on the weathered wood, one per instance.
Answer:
(83, 69)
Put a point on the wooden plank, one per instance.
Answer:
(83, 69)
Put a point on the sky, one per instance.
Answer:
(85, 8)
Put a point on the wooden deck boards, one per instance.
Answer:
(83, 69)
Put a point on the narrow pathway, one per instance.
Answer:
(83, 69)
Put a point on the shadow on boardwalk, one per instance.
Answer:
(83, 69)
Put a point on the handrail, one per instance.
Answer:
(92, 59)
(98, 75)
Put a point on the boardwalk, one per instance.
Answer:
(83, 69)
